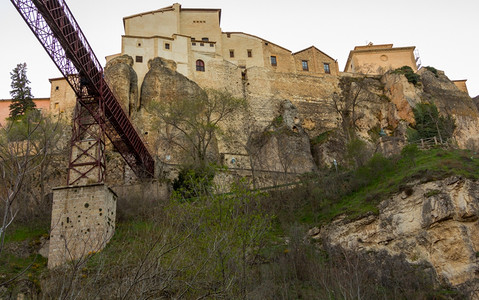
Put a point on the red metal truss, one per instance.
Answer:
(57, 30)
(87, 155)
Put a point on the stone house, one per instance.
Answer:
(378, 59)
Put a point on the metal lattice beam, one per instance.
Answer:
(57, 30)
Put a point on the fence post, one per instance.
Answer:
(435, 141)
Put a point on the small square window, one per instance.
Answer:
(228, 35)
(202, 44)
(57, 105)
(167, 46)
(274, 62)
(139, 44)
(205, 39)
(327, 70)
(193, 44)
(232, 53)
(304, 63)
(193, 39)
(139, 59)
(212, 45)
(250, 53)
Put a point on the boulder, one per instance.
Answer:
(163, 83)
(123, 81)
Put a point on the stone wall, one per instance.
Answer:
(83, 221)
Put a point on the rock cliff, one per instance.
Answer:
(433, 222)
(452, 101)
(283, 146)
(123, 81)
(476, 101)
(163, 83)
(385, 104)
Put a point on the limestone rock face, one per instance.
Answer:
(403, 95)
(123, 81)
(284, 146)
(450, 100)
(434, 222)
(163, 83)
(476, 101)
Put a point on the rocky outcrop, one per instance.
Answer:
(434, 222)
(163, 83)
(123, 81)
(403, 95)
(284, 146)
(452, 101)
(476, 101)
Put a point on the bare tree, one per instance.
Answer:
(191, 124)
(354, 92)
(26, 148)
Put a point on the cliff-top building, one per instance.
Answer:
(194, 40)
(378, 59)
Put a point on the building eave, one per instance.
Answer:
(251, 35)
(168, 8)
(314, 48)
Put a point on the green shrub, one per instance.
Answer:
(433, 70)
(278, 121)
(430, 124)
(319, 139)
(410, 152)
(357, 152)
(409, 73)
(193, 181)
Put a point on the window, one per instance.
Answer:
(304, 63)
(202, 44)
(326, 68)
(192, 39)
(250, 53)
(200, 65)
(139, 44)
(212, 45)
(57, 105)
(273, 61)
(167, 46)
(139, 59)
(228, 35)
(232, 53)
(205, 39)
(193, 44)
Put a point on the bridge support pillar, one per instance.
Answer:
(83, 221)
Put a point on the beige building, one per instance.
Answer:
(62, 97)
(378, 59)
(194, 40)
(461, 84)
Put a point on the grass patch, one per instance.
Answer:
(24, 232)
(19, 258)
(355, 193)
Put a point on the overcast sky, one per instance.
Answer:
(444, 31)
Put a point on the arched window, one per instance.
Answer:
(200, 65)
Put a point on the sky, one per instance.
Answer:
(443, 31)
